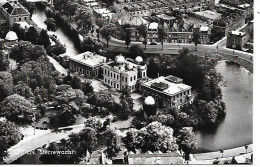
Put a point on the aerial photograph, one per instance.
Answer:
(133, 82)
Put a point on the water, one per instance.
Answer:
(39, 19)
(235, 130)
(237, 127)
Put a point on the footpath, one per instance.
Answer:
(226, 154)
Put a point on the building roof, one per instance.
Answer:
(204, 28)
(171, 88)
(208, 14)
(153, 26)
(166, 17)
(14, 8)
(89, 59)
(155, 158)
(239, 159)
(237, 33)
(149, 100)
(246, 5)
(11, 36)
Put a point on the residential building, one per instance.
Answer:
(13, 11)
(124, 72)
(87, 63)
(155, 158)
(208, 15)
(145, 8)
(168, 91)
(236, 40)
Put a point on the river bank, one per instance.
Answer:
(208, 140)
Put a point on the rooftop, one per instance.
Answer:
(208, 14)
(166, 17)
(171, 88)
(237, 33)
(155, 158)
(14, 8)
(89, 59)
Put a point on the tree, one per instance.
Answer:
(112, 145)
(84, 18)
(4, 62)
(32, 35)
(19, 31)
(23, 89)
(51, 24)
(165, 119)
(161, 34)
(44, 39)
(92, 44)
(196, 37)
(30, 6)
(153, 137)
(17, 109)
(25, 51)
(126, 102)
(127, 36)
(187, 141)
(107, 31)
(142, 30)
(6, 85)
(56, 49)
(94, 123)
(87, 87)
(102, 100)
(135, 50)
(9, 136)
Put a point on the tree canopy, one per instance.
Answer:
(17, 109)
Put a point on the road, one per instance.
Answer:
(26, 146)
(173, 48)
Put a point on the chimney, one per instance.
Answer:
(158, 75)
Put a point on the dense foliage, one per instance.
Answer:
(9, 136)
(153, 137)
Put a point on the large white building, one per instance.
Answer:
(87, 63)
(124, 72)
(168, 91)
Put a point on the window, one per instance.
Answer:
(25, 18)
(181, 100)
(130, 78)
(105, 80)
(125, 79)
(134, 77)
(20, 19)
(117, 77)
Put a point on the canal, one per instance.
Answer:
(237, 127)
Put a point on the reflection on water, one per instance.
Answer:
(39, 19)
(237, 127)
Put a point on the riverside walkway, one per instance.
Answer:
(226, 153)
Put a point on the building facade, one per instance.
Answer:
(168, 91)
(236, 40)
(88, 63)
(124, 72)
(13, 11)
(145, 8)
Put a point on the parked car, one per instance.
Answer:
(153, 43)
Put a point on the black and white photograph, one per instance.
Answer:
(127, 82)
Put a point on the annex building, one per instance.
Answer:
(87, 63)
(168, 91)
